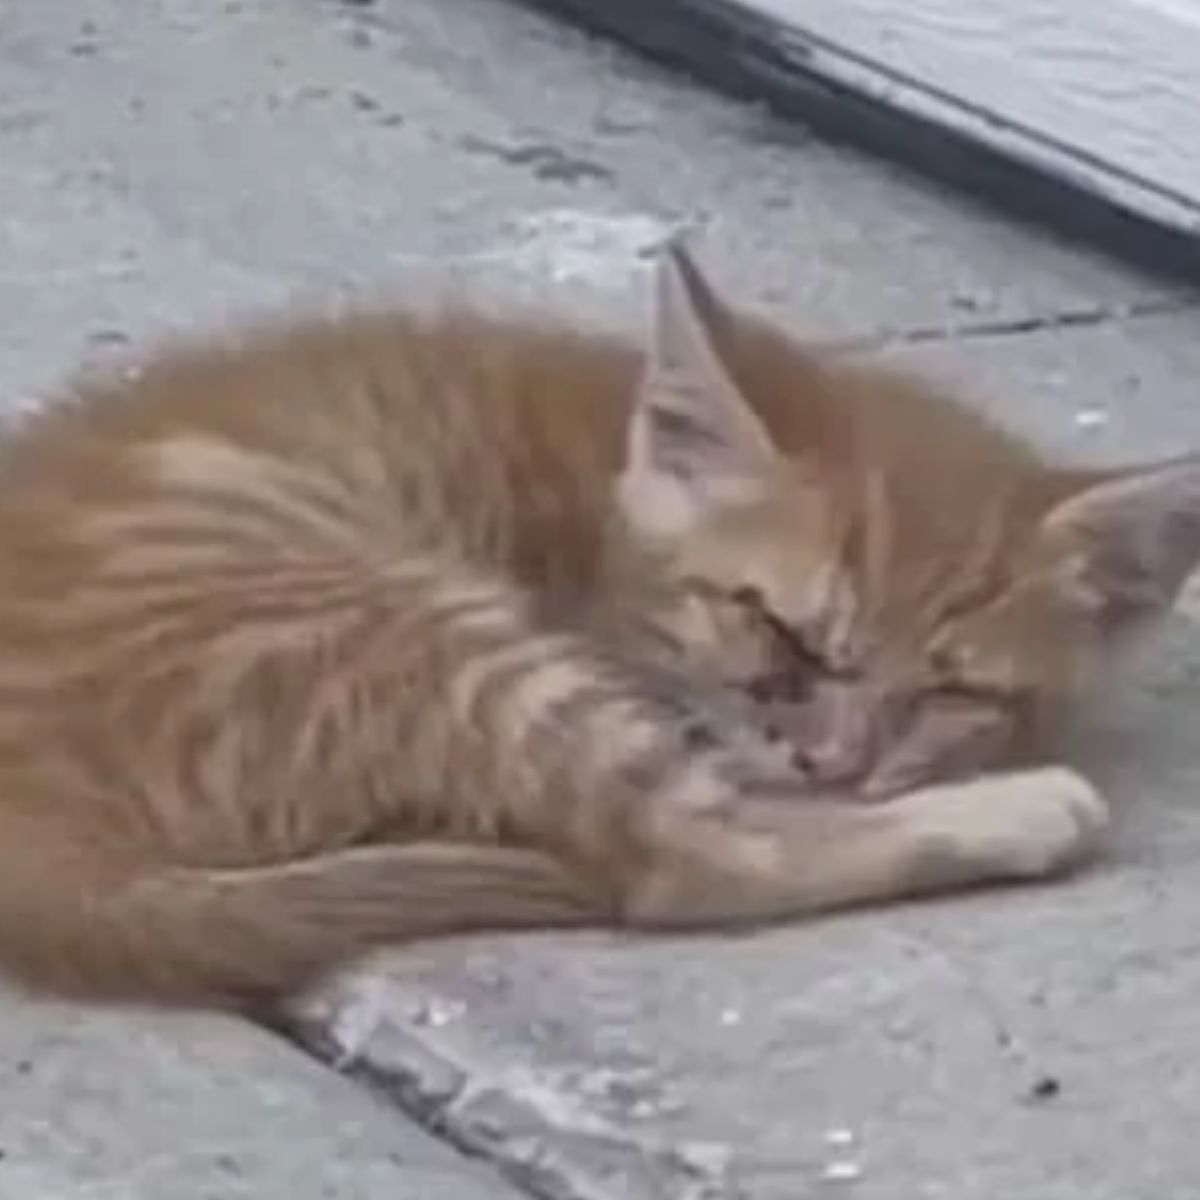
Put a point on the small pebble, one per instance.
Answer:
(842, 1171)
(356, 1020)
(707, 1159)
(731, 1016)
(1091, 418)
(1045, 1088)
(437, 1013)
(443, 1014)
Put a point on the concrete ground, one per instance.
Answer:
(165, 163)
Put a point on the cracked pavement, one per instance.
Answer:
(170, 163)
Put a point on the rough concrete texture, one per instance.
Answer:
(111, 1106)
(166, 163)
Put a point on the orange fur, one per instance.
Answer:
(351, 631)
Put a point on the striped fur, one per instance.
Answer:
(353, 631)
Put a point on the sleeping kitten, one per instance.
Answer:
(360, 630)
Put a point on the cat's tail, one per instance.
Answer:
(246, 938)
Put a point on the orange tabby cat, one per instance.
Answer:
(375, 628)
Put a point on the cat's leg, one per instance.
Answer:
(122, 930)
(758, 859)
(577, 782)
(443, 765)
(536, 735)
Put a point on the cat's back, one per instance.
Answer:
(310, 383)
(445, 415)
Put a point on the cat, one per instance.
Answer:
(341, 632)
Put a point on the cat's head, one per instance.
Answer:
(907, 592)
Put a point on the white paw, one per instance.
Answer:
(1022, 824)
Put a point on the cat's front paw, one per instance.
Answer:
(1020, 825)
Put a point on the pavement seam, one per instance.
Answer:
(1084, 317)
(489, 1121)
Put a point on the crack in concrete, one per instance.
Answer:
(505, 1129)
(1088, 317)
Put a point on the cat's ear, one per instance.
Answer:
(1130, 540)
(694, 442)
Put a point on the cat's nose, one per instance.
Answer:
(832, 734)
(835, 746)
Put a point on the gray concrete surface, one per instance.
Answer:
(165, 163)
(115, 1106)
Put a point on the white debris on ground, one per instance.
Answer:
(842, 1171)
(1091, 418)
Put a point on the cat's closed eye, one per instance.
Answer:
(790, 641)
(960, 671)
(780, 687)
